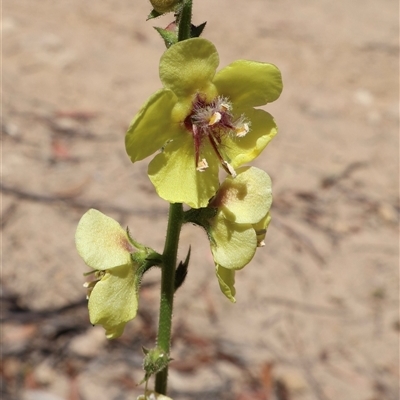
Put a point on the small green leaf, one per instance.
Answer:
(196, 31)
(170, 37)
(200, 216)
(155, 360)
(181, 271)
(153, 14)
(155, 258)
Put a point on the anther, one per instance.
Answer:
(215, 118)
(228, 168)
(242, 130)
(202, 165)
(224, 107)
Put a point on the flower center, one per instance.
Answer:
(212, 122)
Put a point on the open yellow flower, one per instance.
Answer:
(240, 224)
(202, 120)
(107, 248)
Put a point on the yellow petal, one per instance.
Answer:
(114, 300)
(261, 229)
(246, 198)
(226, 280)
(188, 67)
(101, 241)
(176, 179)
(233, 245)
(242, 150)
(249, 83)
(152, 126)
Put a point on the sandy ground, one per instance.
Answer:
(317, 313)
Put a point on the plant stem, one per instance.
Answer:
(168, 288)
(175, 221)
(185, 21)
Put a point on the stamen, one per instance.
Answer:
(202, 165)
(261, 243)
(214, 121)
(224, 107)
(242, 130)
(91, 284)
(229, 169)
(215, 118)
(197, 142)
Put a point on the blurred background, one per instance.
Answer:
(317, 313)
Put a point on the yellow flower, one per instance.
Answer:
(240, 223)
(202, 120)
(107, 248)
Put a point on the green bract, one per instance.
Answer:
(239, 227)
(202, 120)
(106, 247)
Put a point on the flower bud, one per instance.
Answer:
(150, 395)
(164, 6)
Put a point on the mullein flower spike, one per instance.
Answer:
(107, 248)
(202, 120)
(240, 223)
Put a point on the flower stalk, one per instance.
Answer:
(185, 21)
(175, 220)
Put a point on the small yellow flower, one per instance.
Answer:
(106, 247)
(240, 224)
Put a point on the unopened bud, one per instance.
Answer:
(164, 6)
